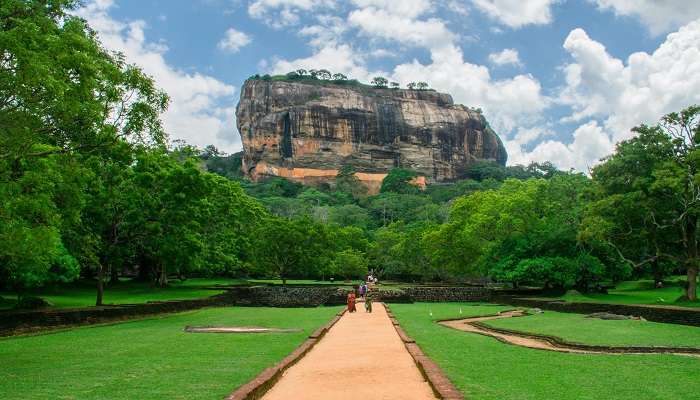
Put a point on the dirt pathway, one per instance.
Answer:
(361, 357)
(543, 342)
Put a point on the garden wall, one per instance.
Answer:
(666, 314)
(13, 322)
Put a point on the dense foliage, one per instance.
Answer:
(89, 188)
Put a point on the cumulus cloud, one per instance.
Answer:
(608, 96)
(233, 40)
(658, 15)
(507, 103)
(641, 90)
(590, 144)
(282, 13)
(506, 57)
(333, 57)
(389, 25)
(517, 13)
(201, 110)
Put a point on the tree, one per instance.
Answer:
(412, 86)
(649, 198)
(31, 248)
(301, 72)
(399, 180)
(313, 73)
(324, 74)
(59, 87)
(351, 264)
(380, 82)
(395, 85)
(422, 86)
(346, 181)
(339, 77)
(286, 248)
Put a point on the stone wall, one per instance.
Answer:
(446, 294)
(291, 296)
(18, 321)
(13, 322)
(665, 314)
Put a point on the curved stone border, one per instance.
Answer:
(560, 344)
(237, 329)
(257, 387)
(433, 374)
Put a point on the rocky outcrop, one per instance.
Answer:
(306, 131)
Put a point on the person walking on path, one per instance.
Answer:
(368, 301)
(363, 290)
(351, 302)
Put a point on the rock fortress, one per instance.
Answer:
(307, 131)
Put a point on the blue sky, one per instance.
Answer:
(559, 80)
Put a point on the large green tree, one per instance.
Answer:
(649, 192)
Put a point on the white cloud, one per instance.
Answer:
(405, 8)
(658, 15)
(329, 29)
(590, 144)
(517, 13)
(621, 95)
(506, 57)
(335, 58)
(400, 27)
(283, 13)
(201, 110)
(457, 7)
(233, 41)
(507, 103)
(640, 91)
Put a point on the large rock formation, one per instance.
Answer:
(307, 130)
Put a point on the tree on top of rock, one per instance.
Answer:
(380, 82)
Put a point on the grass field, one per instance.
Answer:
(152, 359)
(577, 328)
(636, 292)
(484, 368)
(82, 294)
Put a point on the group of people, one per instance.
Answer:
(365, 293)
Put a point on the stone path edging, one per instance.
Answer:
(257, 387)
(433, 374)
(557, 344)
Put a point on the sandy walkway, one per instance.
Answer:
(361, 357)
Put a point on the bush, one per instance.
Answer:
(33, 303)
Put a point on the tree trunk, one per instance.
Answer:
(114, 274)
(284, 281)
(100, 285)
(692, 283)
(163, 277)
(691, 233)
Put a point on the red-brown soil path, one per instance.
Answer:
(361, 357)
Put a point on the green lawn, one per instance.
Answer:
(636, 292)
(152, 359)
(484, 368)
(82, 294)
(579, 329)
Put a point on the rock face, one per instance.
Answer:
(307, 131)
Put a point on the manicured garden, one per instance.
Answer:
(484, 368)
(152, 358)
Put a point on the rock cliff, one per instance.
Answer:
(307, 130)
